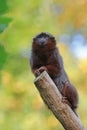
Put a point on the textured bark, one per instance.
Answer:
(53, 99)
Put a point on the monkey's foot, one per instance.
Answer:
(65, 100)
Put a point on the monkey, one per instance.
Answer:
(45, 56)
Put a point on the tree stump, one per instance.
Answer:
(53, 99)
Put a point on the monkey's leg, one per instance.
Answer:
(64, 98)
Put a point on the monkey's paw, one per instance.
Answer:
(43, 68)
(65, 100)
(37, 72)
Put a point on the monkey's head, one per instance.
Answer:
(43, 42)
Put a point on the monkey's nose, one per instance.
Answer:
(42, 42)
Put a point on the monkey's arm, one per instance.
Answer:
(70, 95)
(35, 64)
(52, 67)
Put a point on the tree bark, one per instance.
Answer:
(53, 99)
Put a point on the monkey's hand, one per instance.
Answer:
(43, 68)
(37, 72)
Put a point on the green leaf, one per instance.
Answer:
(4, 21)
(3, 56)
(3, 6)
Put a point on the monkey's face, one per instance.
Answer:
(44, 42)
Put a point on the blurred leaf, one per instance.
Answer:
(3, 56)
(3, 6)
(4, 21)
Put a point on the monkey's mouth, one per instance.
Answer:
(42, 46)
(42, 42)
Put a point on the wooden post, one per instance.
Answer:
(53, 99)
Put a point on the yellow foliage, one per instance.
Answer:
(7, 78)
(51, 122)
(83, 65)
(19, 87)
(37, 102)
(33, 121)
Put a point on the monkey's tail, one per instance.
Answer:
(75, 113)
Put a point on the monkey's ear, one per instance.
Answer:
(34, 39)
(53, 38)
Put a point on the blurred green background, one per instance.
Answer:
(21, 107)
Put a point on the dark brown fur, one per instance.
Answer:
(45, 56)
